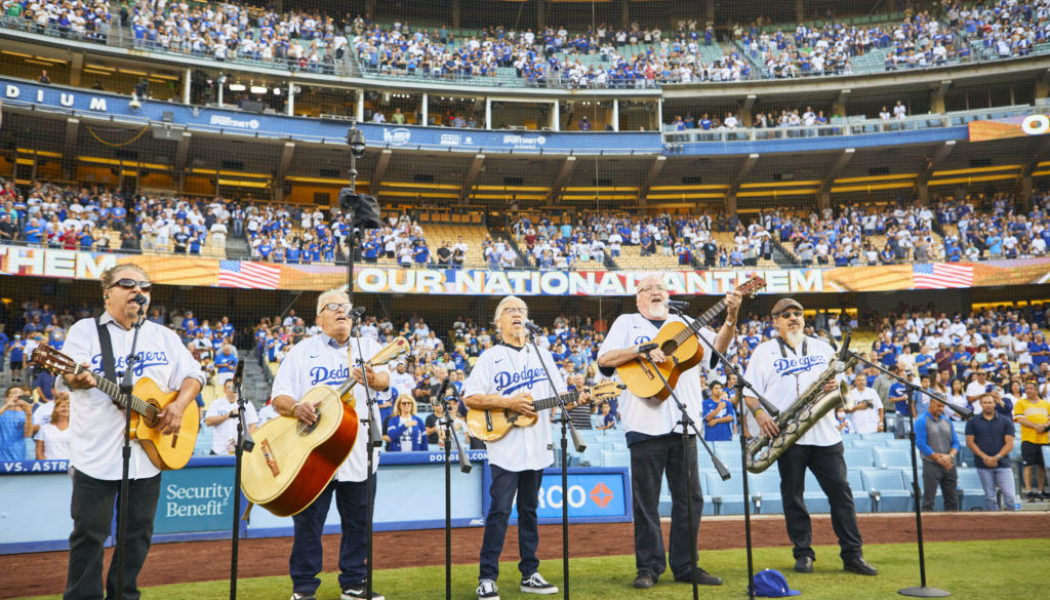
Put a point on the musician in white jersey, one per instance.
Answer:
(323, 360)
(96, 431)
(781, 369)
(654, 437)
(510, 375)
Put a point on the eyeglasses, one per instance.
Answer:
(516, 310)
(652, 288)
(129, 284)
(338, 306)
(790, 314)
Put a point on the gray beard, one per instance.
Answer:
(658, 312)
(794, 338)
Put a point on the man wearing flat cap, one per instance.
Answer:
(781, 369)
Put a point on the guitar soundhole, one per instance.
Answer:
(669, 347)
(511, 416)
(307, 429)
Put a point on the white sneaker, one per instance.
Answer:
(536, 584)
(487, 590)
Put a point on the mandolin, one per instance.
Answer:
(292, 462)
(494, 423)
(146, 401)
(678, 342)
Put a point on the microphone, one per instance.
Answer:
(844, 349)
(677, 304)
(140, 299)
(647, 348)
(357, 311)
(237, 376)
(532, 327)
(441, 393)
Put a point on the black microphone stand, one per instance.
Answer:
(126, 386)
(922, 591)
(577, 442)
(375, 438)
(464, 466)
(245, 443)
(741, 383)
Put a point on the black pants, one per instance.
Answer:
(307, 557)
(933, 475)
(505, 485)
(829, 467)
(649, 460)
(92, 510)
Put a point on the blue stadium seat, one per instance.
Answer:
(971, 489)
(30, 449)
(890, 458)
(860, 457)
(816, 501)
(765, 492)
(203, 445)
(890, 492)
(616, 458)
(861, 498)
(727, 497)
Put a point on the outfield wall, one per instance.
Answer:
(196, 502)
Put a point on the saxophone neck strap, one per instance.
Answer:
(784, 347)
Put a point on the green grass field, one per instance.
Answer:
(985, 570)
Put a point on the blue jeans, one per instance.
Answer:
(306, 560)
(1004, 478)
(505, 484)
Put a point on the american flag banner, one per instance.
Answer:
(942, 276)
(249, 275)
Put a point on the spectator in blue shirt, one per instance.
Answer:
(225, 364)
(936, 440)
(405, 432)
(898, 395)
(719, 415)
(16, 424)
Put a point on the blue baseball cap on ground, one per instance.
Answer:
(771, 583)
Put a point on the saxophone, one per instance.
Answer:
(798, 418)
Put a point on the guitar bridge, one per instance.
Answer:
(270, 461)
(646, 369)
(488, 421)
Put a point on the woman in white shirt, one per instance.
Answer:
(52, 441)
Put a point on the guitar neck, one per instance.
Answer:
(701, 321)
(346, 387)
(112, 389)
(567, 398)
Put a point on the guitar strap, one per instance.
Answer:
(108, 367)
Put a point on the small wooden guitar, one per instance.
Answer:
(679, 344)
(291, 462)
(494, 423)
(146, 401)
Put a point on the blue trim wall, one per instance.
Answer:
(196, 502)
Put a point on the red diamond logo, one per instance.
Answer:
(601, 495)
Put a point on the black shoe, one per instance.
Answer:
(1031, 496)
(1046, 494)
(804, 564)
(644, 581)
(296, 596)
(701, 576)
(860, 567)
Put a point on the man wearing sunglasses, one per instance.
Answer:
(97, 431)
(781, 369)
(323, 360)
(654, 437)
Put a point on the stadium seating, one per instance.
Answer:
(888, 488)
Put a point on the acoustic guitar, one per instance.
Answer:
(495, 423)
(292, 462)
(679, 344)
(146, 400)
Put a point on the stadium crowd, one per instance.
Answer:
(963, 356)
(602, 56)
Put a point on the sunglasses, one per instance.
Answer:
(129, 284)
(337, 306)
(789, 314)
